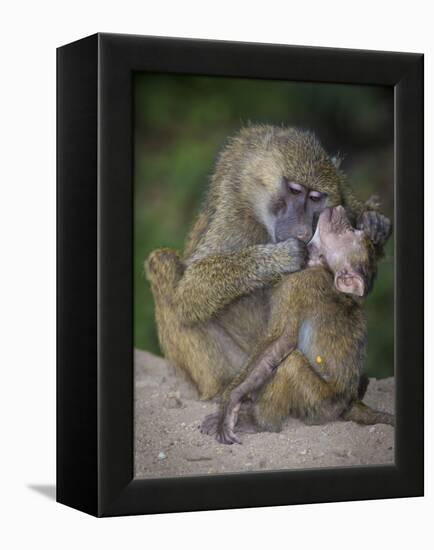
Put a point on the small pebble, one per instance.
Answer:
(342, 454)
(173, 400)
(162, 456)
(372, 429)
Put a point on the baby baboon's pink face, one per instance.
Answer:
(342, 248)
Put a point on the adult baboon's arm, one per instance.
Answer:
(213, 282)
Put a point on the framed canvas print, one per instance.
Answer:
(240, 275)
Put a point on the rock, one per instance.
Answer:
(162, 456)
(173, 400)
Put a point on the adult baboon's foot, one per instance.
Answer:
(163, 268)
(211, 423)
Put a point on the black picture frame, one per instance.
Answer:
(95, 284)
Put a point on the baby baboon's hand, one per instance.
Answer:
(292, 254)
(377, 226)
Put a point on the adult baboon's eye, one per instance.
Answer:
(315, 197)
(294, 188)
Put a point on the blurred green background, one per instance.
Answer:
(181, 123)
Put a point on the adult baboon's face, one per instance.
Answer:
(288, 179)
(294, 211)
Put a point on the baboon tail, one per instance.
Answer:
(163, 269)
(362, 414)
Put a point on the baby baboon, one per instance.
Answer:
(268, 189)
(312, 356)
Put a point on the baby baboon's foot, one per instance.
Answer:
(214, 425)
(387, 418)
(362, 414)
(226, 435)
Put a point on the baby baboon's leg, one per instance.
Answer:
(204, 351)
(362, 414)
(296, 390)
(246, 385)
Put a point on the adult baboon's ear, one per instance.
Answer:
(349, 282)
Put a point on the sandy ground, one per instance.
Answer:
(168, 442)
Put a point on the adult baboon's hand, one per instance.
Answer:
(296, 254)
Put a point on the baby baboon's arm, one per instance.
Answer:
(259, 370)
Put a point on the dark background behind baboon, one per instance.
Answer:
(181, 123)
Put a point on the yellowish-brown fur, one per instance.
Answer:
(212, 303)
